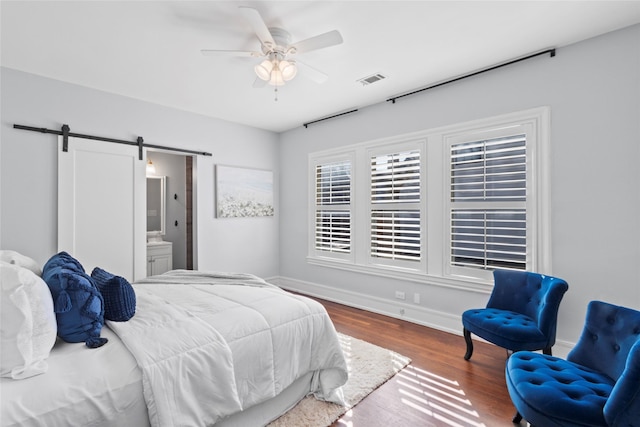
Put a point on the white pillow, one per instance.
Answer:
(13, 257)
(27, 322)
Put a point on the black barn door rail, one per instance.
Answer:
(139, 142)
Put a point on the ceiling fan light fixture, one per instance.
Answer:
(288, 69)
(263, 70)
(276, 77)
(276, 71)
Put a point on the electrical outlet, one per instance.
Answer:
(416, 298)
(399, 295)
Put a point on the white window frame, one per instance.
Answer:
(392, 149)
(528, 205)
(314, 162)
(435, 267)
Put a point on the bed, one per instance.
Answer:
(203, 348)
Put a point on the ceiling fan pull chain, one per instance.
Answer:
(276, 92)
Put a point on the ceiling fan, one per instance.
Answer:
(276, 48)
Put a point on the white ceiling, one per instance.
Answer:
(150, 50)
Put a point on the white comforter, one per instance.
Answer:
(212, 344)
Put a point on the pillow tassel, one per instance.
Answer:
(92, 308)
(63, 302)
(95, 342)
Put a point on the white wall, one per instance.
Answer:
(28, 168)
(593, 89)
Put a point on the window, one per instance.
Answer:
(333, 207)
(395, 206)
(444, 206)
(488, 209)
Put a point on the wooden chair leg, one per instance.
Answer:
(517, 418)
(467, 338)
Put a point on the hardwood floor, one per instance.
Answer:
(438, 388)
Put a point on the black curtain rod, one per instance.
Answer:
(65, 133)
(306, 125)
(551, 52)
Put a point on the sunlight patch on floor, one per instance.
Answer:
(437, 397)
(344, 421)
(398, 361)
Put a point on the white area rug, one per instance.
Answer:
(370, 366)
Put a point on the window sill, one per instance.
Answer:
(459, 283)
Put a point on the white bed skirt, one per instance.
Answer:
(263, 413)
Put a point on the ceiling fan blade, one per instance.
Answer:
(216, 52)
(331, 38)
(258, 25)
(312, 73)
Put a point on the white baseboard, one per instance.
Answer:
(413, 313)
(400, 310)
(562, 348)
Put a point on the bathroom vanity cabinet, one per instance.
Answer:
(159, 257)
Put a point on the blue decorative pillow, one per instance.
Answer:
(119, 296)
(63, 259)
(78, 304)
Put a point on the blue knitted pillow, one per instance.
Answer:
(119, 296)
(78, 305)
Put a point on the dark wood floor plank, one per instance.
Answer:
(438, 388)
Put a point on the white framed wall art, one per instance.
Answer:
(243, 192)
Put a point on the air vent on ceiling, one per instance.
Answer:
(371, 79)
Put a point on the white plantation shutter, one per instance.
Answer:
(488, 193)
(333, 207)
(395, 234)
(333, 231)
(489, 238)
(333, 184)
(395, 206)
(395, 178)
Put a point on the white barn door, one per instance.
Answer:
(101, 206)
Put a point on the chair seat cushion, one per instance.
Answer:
(548, 390)
(504, 328)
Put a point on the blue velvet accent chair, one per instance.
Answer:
(521, 314)
(597, 385)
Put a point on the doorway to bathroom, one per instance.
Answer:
(177, 171)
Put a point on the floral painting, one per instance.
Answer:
(243, 192)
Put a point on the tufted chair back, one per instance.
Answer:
(609, 333)
(532, 294)
(610, 343)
